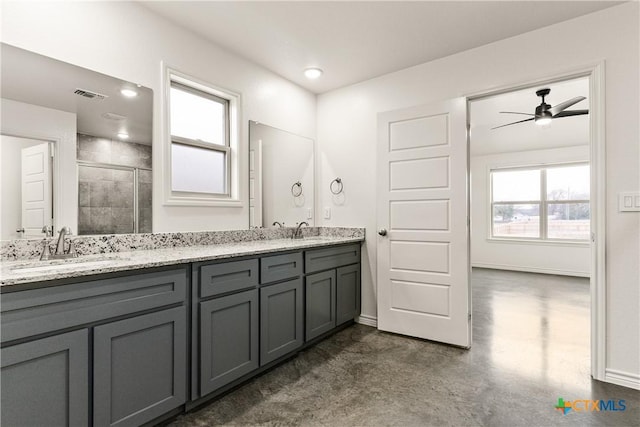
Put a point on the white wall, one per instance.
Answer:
(347, 131)
(572, 259)
(33, 121)
(127, 41)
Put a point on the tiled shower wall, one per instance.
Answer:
(106, 195)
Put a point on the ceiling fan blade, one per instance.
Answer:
(515, 112)
(564, 105)
(569, 113)
(514, 123)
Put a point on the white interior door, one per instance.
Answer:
(36, 189)
(423, 259)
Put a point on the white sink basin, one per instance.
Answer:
(70, 265)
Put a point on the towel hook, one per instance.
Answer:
(338, 187)
(296, 189)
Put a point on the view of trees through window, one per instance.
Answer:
(550, 202)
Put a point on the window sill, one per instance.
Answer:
(569, 243)
(203, 201)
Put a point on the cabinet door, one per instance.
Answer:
(347, 293)
(46, 382)
(320, 303)
(280, 319)
(139, 369)
(228, 339)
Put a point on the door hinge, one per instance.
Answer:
(469, 317)
(593, 237)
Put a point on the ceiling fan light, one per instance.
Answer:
(543, 121)
(543, 118)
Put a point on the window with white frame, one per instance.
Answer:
(541, 203)
(202, 126)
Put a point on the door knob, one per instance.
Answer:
(382, 232)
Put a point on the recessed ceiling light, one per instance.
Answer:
(129, 93)
(313, 73)
(123, 135)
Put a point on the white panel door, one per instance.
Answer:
(36, 189)
(423, 246)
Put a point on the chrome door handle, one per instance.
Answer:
(382, 232)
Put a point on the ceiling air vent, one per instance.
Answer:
(113, 116)
(89, 94)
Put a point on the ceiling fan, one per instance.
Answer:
(545, 112)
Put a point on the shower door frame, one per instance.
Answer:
(136, 183)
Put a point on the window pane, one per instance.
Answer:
(197, 117)
(568, 221)
(568, 183)
(515, 186)
(197, 170)
(517, 220)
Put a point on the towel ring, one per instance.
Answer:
(338, 189)
(296, 189)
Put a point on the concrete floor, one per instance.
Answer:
(530, 347)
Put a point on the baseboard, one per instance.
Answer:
(363, 319)
(528, 269)
(625, 379)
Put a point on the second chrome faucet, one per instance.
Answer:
(297, 233)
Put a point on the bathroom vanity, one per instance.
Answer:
(135, 337)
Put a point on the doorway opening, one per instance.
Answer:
(534, 168)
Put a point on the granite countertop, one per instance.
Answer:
(20, 272)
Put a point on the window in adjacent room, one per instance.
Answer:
(541, 203)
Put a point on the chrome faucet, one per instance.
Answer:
(60, 252)
(297, 233)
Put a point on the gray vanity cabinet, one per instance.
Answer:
(281, 319)
(45, 382)
(139, 368)
(228, 322)
(320, 303)
(111, 350)
(332, 290)
(347, 293)
(123, 359)
(228, 339)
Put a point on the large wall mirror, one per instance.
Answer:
(75, 149)
(281, 171)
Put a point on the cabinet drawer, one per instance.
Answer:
(38, 311)
(280, 267)
(337, 256)
(216, 279)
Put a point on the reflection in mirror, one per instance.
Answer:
(26, 205)
(281, 184)
(75, 149)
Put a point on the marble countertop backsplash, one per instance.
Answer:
(119, 252)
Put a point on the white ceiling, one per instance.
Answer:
(40, 80)
(354, 41)
(563, 132)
